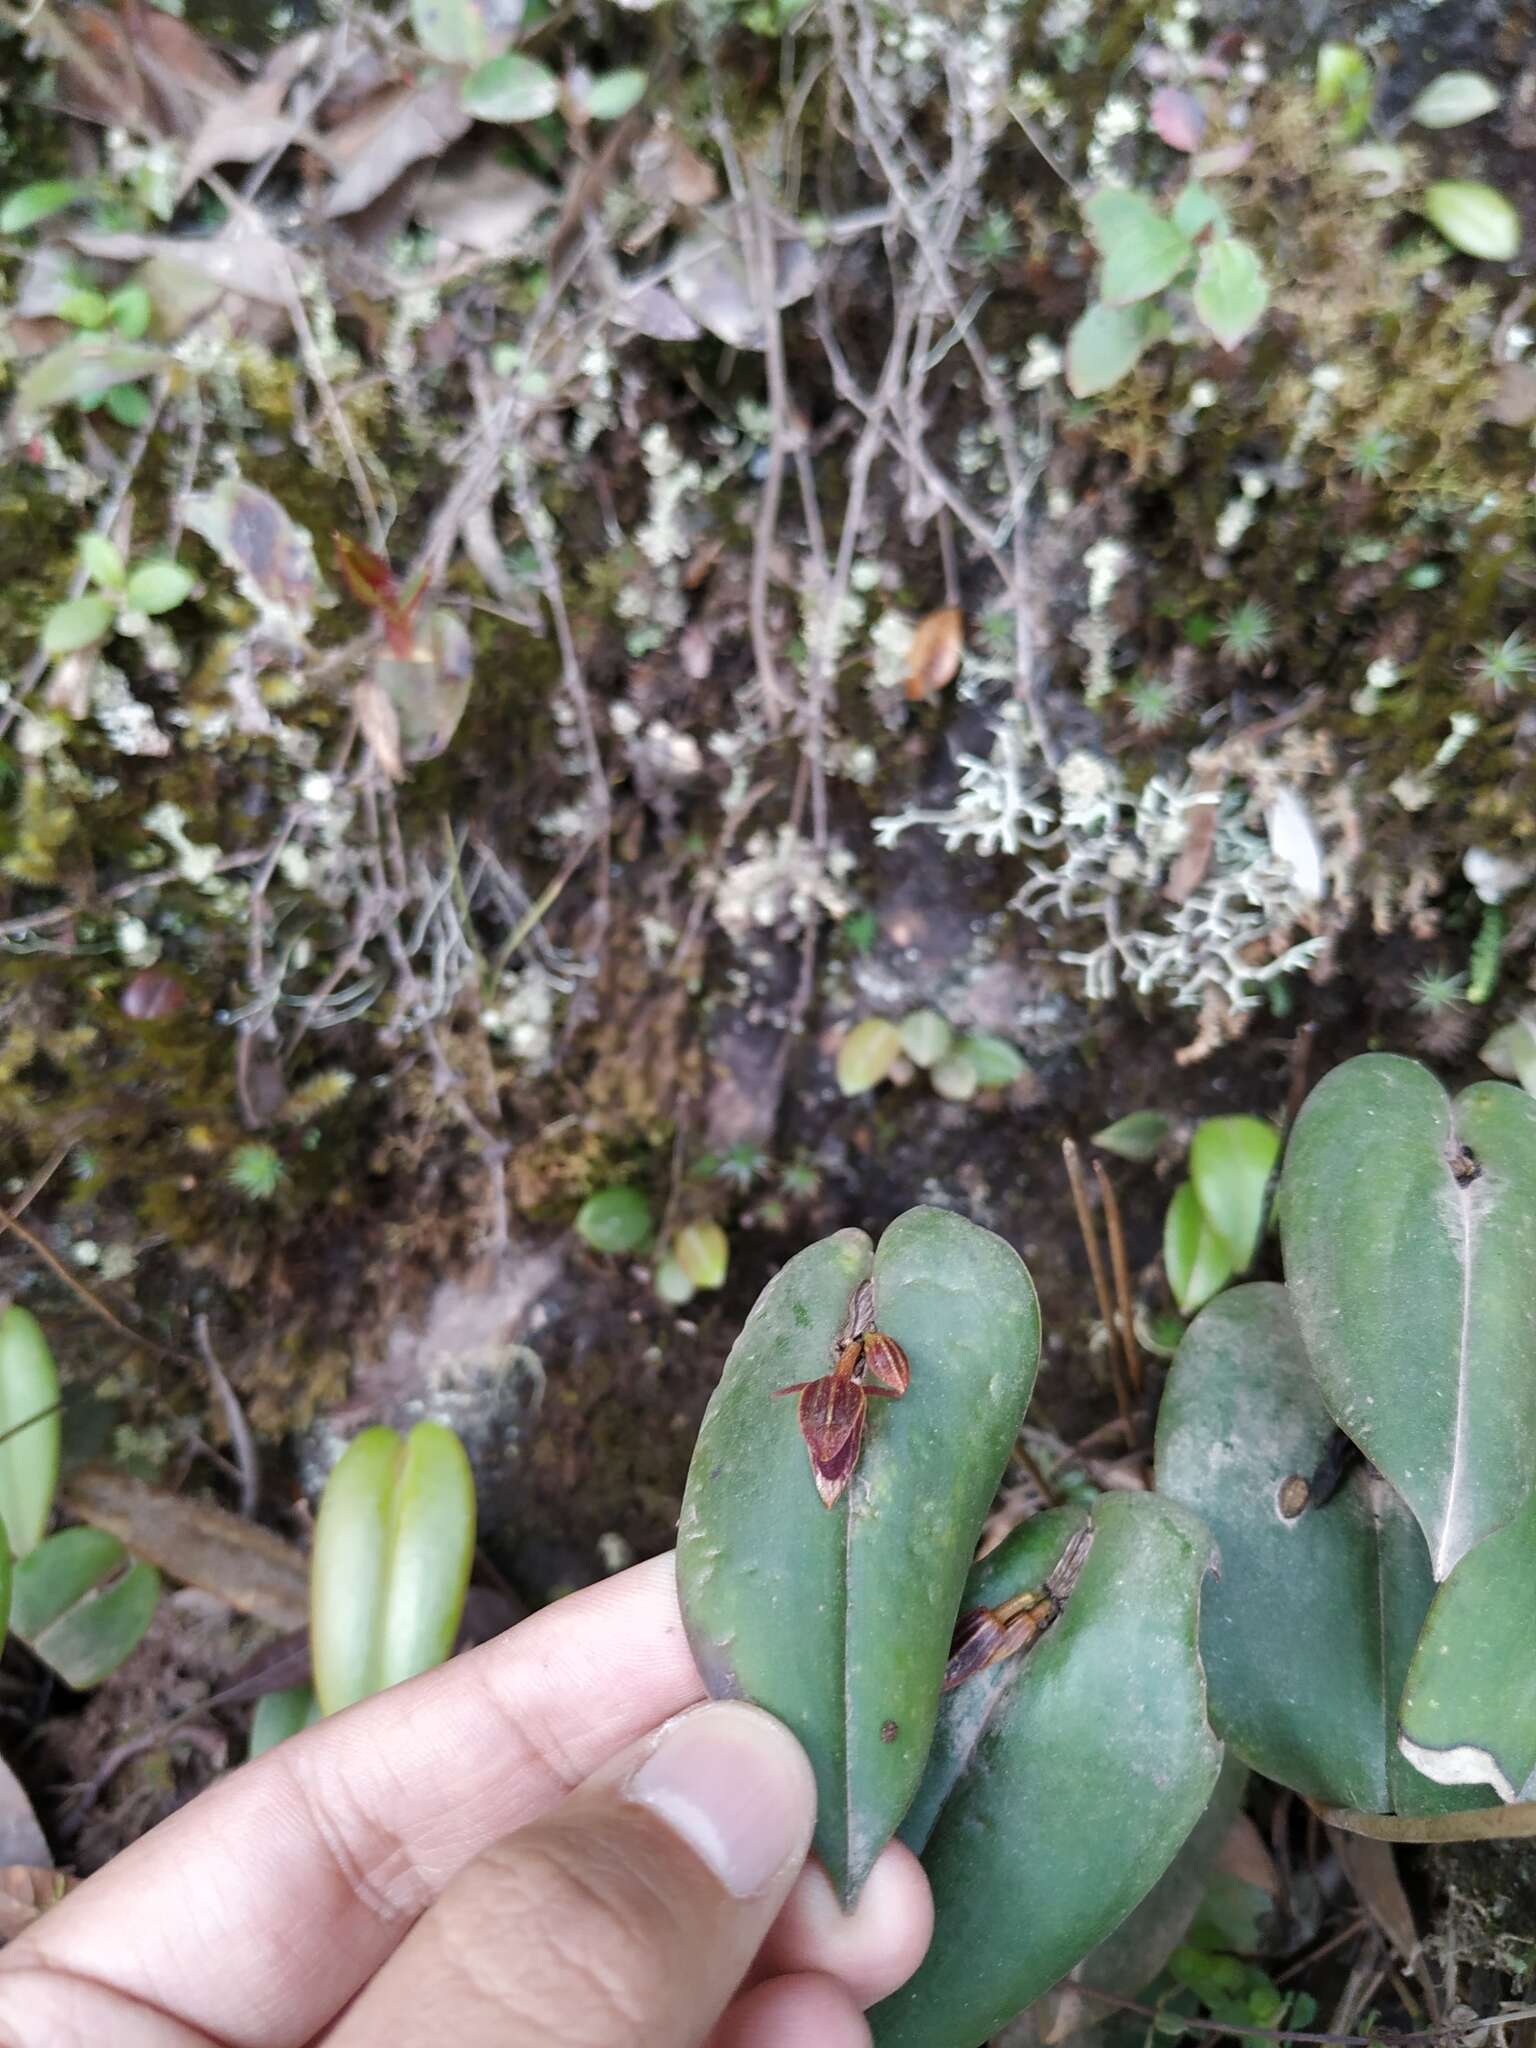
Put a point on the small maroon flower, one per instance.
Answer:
(988, 1634)
(833, 1409)
(985, 1635)
(883, 1367)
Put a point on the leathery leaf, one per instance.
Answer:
(1469, 1707)
(839, 1619)
(1307, 1632)
(1067, 1777)
(394, 1542)
(1408, 1223)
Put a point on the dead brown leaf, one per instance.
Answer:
(1189, 870)
(933, 660)
(667, 171)
(142, 66)
(487, 208)
(380, 723)
(248, 124)
(244, 1565)
(26, 1894)
(1371, 1868)
(1245, 1856)
(396, 129)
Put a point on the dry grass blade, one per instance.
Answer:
(1121, 1268)
(1090, 1235)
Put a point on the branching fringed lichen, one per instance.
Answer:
(1003, 805)
(1235, 926)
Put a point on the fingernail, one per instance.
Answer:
(736, 1787)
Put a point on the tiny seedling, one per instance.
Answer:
(394, 1541)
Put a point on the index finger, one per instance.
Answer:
(257, 1912)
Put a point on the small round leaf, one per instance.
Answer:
(1137, 1137)
(704, 1252)
(1452, 99)
(25, 207)
(997, 1063)
(78, 622)
(925, 1037)
(1230, 292)
(156, 587)
(673, 1285)
(511, 88)
(955, 1079)
(867, 1055)
(102, 561)
(615, 92)
(1104, 346)
(614, 1220)
(1474, 218)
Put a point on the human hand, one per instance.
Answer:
(506, 1850)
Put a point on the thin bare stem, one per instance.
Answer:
(1090, 1235)
(1121, 1268)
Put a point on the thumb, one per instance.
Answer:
(629, 1913)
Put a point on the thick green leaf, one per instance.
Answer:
(867, 1055)
(102, 561)
(839, 1620)
(29, 204)
(77, 622)
(997, 1064)
(128, 404)
(704, 1252)
(1230, 293)
(1241, 1425)
(1196, 209)
(1473, 218)
(29, 1448)
(156, 587)
(394, 1541)
(85, 368)
(1345, 80)
(1141, 247)
(511, 88)
(954, 1078)
(75, 1605)
(1469, 1707)
(1127, 1960)
(82, 307)
(1408, 1224)
(1454, 98)
(1105, 345)
(925, 1037)
(279, 1715)
(1067, 1778)
(453, 31)
(614, 1220)
(130, 309)
(612, 93)
(1137, 1137)
(1195, 1257)
(1230, 1161)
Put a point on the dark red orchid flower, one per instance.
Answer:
(833, 1409)
(372, 582)
(985, 1635)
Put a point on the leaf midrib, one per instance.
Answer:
(1462, 1194)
